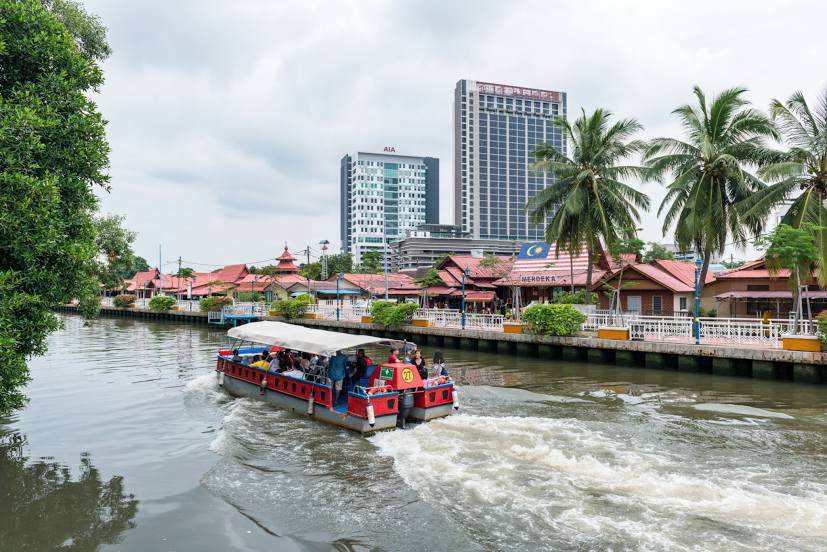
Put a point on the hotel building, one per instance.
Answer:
(496, 128)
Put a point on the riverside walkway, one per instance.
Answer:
(755, 355)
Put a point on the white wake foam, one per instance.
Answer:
(542, 478)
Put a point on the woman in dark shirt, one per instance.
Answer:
(419, 362)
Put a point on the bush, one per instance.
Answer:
(573, 298)
(821, 320)
(292, 308)
(161, 303)
(124, 300)
(245, 296)
(553, 319)
(214, 303)
(391, 314)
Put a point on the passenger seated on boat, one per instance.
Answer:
(288, 362)
(393, 358)
(439, 365)
(237, 358)
(361, 367)
(304, 363)
(274, 363)
(258, 362)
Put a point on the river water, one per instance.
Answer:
(128, 444)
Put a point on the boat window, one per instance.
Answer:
(391, 403)
(432, 396)
(445, 394)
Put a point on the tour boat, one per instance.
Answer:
(389, 396)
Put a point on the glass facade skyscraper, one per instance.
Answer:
(496, 128)
(383, 196)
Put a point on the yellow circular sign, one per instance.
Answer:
(407, 375)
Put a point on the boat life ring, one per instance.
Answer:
(376, 390)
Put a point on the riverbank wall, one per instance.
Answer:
(772, 364)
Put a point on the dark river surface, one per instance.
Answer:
(128, 444)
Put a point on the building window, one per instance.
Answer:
(657, 304)
(682, 303)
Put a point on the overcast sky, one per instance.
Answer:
(227, 120)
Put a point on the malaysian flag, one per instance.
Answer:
(543, 256)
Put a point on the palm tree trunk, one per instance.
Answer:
(797, 299)
(704, 269)
(588, 294)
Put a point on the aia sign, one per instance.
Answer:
(390, 149)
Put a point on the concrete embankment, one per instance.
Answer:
(778, 364)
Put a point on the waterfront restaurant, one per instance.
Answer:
(750, 290)
(540, 272)
(480, 286)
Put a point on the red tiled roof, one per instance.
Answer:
(371, 282)
(760, 274)
(143, 279)
(230, 273)
(768, 295)
(683, 271)
(477, 270)
(663, 278)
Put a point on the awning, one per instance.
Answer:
(477, 296)
(307, 340)
(769, 295)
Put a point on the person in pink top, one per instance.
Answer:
(394, 356)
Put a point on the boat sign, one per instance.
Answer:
(407, 375)
(386, 373)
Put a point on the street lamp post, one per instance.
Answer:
(698, 263)
(465, 273)
(338, 278)
(253, 295)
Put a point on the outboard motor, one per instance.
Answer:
(406, 404)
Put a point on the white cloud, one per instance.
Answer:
(228, 119)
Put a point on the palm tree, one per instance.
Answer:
(708, 172)
(588, 199)
(802, 170)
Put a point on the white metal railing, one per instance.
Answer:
(241, 309)
(452, 318)
(657, 328)
(346, 312)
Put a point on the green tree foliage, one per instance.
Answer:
(798, 175)
(430, 279)
(313, 271)
(489, 260)
(292, 308)
(657, 252)
(562, 320)
(53, 154)
(114, 244)
(590, 187)
(371, 263)
(161, 303)
(708, 172)
(248, 296)
(136, 264)
(340, 262)
(573, 297)
(184, 273)
(392, 314)
(794, 249)
(124, 300)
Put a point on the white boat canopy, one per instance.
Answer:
(307, 340)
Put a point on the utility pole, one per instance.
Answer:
(160, 272)
(177, 292)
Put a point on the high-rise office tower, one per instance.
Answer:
(496, 128)
(382, 196)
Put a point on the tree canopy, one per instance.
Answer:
(53, 155)
(656, 252)
(588, 199)
(707, 172)
(114, 244)
(798, 177)
(371, 263)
